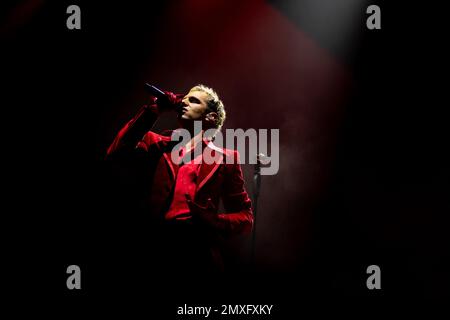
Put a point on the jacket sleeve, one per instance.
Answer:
(238, 218)
(129, 136)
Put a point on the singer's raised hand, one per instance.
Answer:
(170, 102)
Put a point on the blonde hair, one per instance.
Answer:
(214, 104)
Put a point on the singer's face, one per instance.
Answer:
(194, 106)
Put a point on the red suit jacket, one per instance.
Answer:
(219, 180)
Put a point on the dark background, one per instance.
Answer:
(364, 166)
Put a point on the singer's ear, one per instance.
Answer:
(211, 118)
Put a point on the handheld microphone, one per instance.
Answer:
(156, 92)
(161, 96)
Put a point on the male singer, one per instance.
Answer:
(179, 199)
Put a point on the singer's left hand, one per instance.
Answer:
(204, 213)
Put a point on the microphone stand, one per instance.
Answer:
(256, 188)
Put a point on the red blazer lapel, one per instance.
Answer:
(207, 168)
